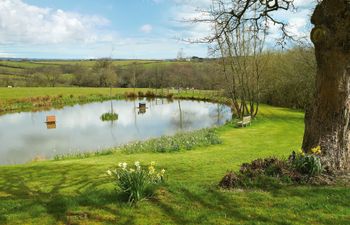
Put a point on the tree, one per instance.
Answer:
(327, 122)
(106, 72)
(240, 53)
(52, 75)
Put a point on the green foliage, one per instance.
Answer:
(308, 164)
(180, 141)
(109, 116)
(260, 173)
(131, 95)
(137, 182)
(274, 172)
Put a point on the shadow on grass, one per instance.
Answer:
(26, 191)
(68, 198)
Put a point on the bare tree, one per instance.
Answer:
(240, 54)
(327, 122)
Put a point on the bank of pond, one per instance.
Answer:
(27, 136)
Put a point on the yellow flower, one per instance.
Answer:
(153, 163)
(151, 170)
(316, 150)
(162, 171)
(123, 165)
(132, 170)
(301, 152)
(109, 172)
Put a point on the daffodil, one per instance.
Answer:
(300, 151)
(151, 169)
(153, 163)
(124, 165)
(109, 172)
(316, 150)
(137, 163)
(162, 171)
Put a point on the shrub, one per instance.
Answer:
(109, 117)
(170, 96)
(150, 94)
(140, 94)
(130, 95)
(138, 182)
(273, 172)
(230, 180)
(308, 164)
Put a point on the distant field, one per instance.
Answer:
(88, 63)
(21, 68)
(18, 93)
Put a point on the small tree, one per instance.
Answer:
(52, 75)
(240, 56)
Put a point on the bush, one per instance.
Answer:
(273, 172)
(170, 96)
(137, 182)
(150, 94)
(308, 164)
(109, 117)
(130, 95)
(273, 167)
(140, 94)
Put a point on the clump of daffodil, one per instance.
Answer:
(135, 180)
(301, 152)
(316, 150)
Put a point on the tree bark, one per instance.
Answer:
(328, 119)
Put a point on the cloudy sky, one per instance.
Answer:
(148, 29)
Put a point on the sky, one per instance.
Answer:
(123, 29)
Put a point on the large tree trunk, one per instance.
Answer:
(327, 122)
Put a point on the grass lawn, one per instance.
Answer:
(78, 191)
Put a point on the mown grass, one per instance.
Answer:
(78, 191)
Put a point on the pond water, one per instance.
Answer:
(25, 136)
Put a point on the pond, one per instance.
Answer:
(25, 136)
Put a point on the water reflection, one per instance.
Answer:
(24, 136)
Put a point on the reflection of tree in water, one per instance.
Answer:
(182, 120)
(218, 113)
(112, 118)
(135, 118)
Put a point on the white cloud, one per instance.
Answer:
(304, 3)
(147, 28)
(186, 11)
(24, 23)
(6, 55)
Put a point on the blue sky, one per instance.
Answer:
(148, 29)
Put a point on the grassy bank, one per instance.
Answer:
(31, 99)
(78, 191)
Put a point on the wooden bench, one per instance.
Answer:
(246, 120)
